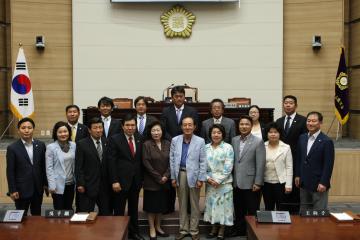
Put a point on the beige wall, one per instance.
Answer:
(51, 70)
(120, 51)
(310, 75)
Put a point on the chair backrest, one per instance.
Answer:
(123, 103)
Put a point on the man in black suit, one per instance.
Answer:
(143, 119)
(292, 125)
(25, 169)
(111, 126)
(315, 164)
(125, 168)
(78, 130)
(91, 170)
(171, 118)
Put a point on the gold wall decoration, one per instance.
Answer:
(177, 22)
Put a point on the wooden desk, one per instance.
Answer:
(41, 228)
(303, 229)
(203, 108)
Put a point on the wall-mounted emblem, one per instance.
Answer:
(177, 22)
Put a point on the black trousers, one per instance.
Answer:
(64, 201)
(102, 200)
(246, 202)
(34, 203)
(132, 198)
(171, 198)
(274, 194)
(292, 200)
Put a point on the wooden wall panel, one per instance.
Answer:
(355, 9)
(354, 123)
(354, 44)
(355, 89)
(310, 74)
(51, 69)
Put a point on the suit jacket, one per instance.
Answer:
(228, 124)
(315, 167)
(55, 168)
(22, 176)
(297, 128)
(123, 167)
(149, 120)
(169, 120)
(283, 163)
(156, 164)
(90, 171)
(81, 132)
(114, 128)
(249, 167)
(195, 162)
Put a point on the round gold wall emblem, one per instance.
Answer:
(177, 22)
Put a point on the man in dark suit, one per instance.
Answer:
(78, 130)
(25, 169)
(143, 119)
(315, 162)
(171, 118)
(126, 176)
(292, 126)
(111, 126)
(91, 170)
(217, 110)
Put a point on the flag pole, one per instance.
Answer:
(12, 120)
(337, 131)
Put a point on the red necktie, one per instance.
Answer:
(131, 146)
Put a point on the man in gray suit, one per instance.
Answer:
(249, 166)
(217, 110)
(188, 173)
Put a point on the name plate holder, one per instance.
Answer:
(279, 217)
(11, 216)
(50, 213)
(314, 213)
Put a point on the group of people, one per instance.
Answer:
(109, 161)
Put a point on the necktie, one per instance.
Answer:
(178, 115)
(99, 149)
(141, 125)
(287, 125)
(106, 126)
(131, 146)
(73, 133)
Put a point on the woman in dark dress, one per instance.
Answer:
(157, 171)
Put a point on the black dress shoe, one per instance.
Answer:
(162, 234)
(136, 236)
(211, 235)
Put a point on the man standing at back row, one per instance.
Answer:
(78, 130)
(171, 118)
(315, 162)
(292, 125)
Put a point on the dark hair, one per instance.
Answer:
(217, 100)
(246, 117)
(72, 106)
(26, 119)
(106, 101)
(220, 127)
(56, 128)
(128, 117)
(253, 106)
(188, 116)
(291, 97)
(319, 115)
(94, 120)
(177, 89)
(140, 98)
(151, 125)
(275, 126)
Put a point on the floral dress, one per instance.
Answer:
(219, 201)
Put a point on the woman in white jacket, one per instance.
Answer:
(278, 169)
(60, 166)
